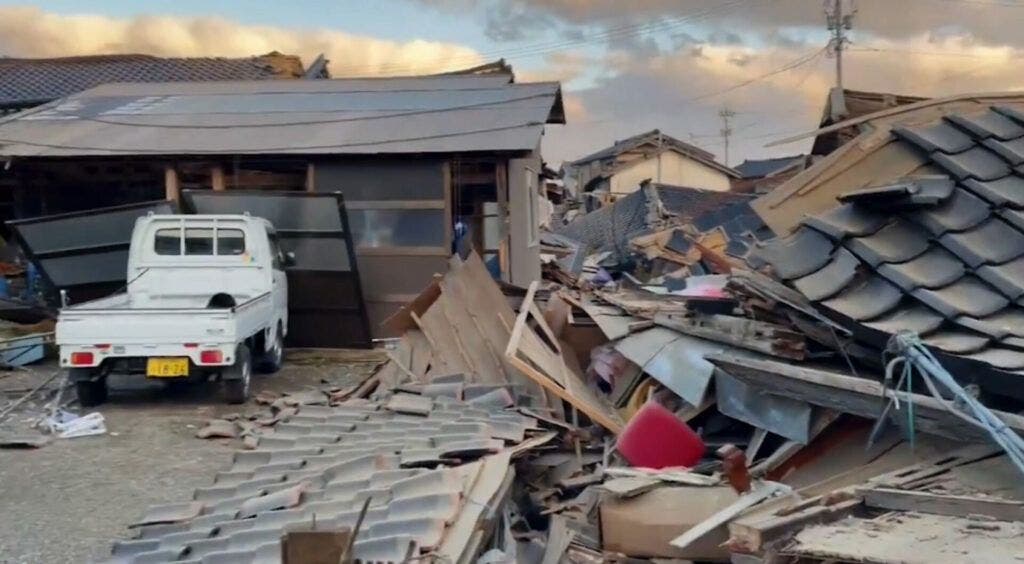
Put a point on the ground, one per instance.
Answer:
(67, 501)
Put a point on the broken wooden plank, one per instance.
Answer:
(942, 504)
(543, 362)
(759, 493)
(759, 336)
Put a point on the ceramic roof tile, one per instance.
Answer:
(911, 191)
(846, 220)
(988, 124)
(969, 295)
(978, 163)
(1007, 191)
(1013, 217)
(829, 279)
(992, 242)
(797, 255)
(1012, 151)
(932, 269)
(939, 136)
(896, 242)
(865, 299)
(961, 211)
(916, 318)
(1008, 278)
(1010, 112)
(269, 490)
(999, 357)
(957, 342)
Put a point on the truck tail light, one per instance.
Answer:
(211, 357)
(81, 359)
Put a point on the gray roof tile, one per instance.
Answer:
(1012, 151)
(988, 124)
(898, 241)
(961, 211)
(978, 163)
(829, 279)
(932, 269)
(940, 136)
(797, 255)
(865, 299)
(957, 342)
(916, 318)
(1007, 191)
(969, 295)
(910, 191)
(847, 220)
(1008, 278)
(999, 357)
(992, 242)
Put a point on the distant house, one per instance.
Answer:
(760, 176)
(653, 155)
(25, 83)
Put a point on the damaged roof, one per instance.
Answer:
(29, 82)
(436, 114)
(656, 140)
(611, 227)
(938, 250)
(759, 168)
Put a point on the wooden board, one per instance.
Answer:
(941, 504)
(544, 363)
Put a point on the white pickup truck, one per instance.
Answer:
(206, 296)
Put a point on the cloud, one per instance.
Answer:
(31, 32)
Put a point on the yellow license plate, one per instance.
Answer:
(166, 367)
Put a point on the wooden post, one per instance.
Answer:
(217, 178)
(172, 188)
(310, 178)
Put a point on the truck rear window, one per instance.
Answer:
(199, 241)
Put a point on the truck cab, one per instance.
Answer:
(206, 295)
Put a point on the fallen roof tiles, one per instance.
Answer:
(270, 490)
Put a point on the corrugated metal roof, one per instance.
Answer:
(351, 116)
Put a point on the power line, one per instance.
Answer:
(870, 49)
(542, 48)
(799, 61)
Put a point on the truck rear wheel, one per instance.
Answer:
(238, 377)
(271, 360)
(91, 392)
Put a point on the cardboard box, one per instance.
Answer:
(644, 525)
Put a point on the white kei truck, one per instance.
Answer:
(206, 296)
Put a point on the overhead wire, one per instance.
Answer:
(795, 63)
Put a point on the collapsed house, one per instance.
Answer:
(618, 170)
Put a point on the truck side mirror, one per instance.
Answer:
(289, 259)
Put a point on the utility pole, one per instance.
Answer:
(838, 22)
(726, 114)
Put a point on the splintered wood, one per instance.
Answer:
(534, 349)
(459, 324)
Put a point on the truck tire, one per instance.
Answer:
(271, 361)
(91, 392)
(238, 377)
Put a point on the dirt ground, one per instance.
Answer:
(67, 501)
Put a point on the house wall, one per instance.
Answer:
(675, 169)
(524, 236)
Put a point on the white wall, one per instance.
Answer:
(524, 237)
(675, 169)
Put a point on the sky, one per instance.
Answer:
(625, 66)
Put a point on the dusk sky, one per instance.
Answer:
(625, 66)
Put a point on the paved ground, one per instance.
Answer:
(66, 501)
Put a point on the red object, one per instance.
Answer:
(656, 438)
(81, 358)
(211, 357)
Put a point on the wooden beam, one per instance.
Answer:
(941, 504)
(217, 179)
(172, 186)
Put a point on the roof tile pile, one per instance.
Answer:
(322, 464)
(942, 255)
